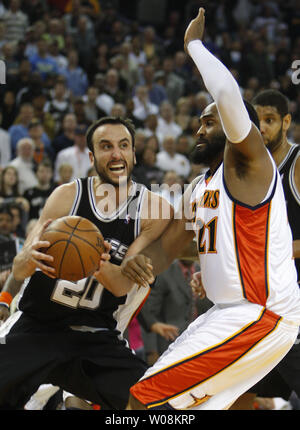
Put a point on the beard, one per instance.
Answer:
(207, 153)
(273, 144)
(105, 178)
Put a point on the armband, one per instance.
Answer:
(5, 298)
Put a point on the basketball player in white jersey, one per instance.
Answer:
(238, 214)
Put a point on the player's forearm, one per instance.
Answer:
(296, 248)
(113, 280)
(224, 90)
(12, 286)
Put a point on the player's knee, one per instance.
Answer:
(134, 404)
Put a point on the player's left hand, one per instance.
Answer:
(195, 29)
(138, 268)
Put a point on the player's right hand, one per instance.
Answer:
(138, 268)
(197, 286)
(32, 257)
(195, 29)
(4, 313)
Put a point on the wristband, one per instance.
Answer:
(6, 297)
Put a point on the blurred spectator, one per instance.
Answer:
(146, 172)
(5, 147)
(170, 307)
(118, 109)
(166, 122)
(104, 101)
(169, 159)
(65, 174)
(41, 62)
(59, 104)
(173, 83)
(39, 101)
(183, 145)
(73, 15)
(91, 110)
(11, 62)
(157, 92)
(137, 57)
(151, 43)
(76, 155)
(24, 164)
(152, 142)
(150, 125)
(55, 33)
(15, 21)
(171, 188)
(20, 127)
(8, 109)
(84, 40)
(56, 55)
(78, 106)
(67, 135)
(142, 104)
(18, 222)
(76, 77)
(183, 112)
(38, 195)
(42, 148)
(257, 63)
(112, 86)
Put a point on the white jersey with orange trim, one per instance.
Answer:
(245, 252)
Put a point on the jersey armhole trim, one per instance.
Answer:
(259, 205)
(77, 197)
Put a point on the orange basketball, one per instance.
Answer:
(76, 246)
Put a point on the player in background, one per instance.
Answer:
(239, 216)
(70, 334)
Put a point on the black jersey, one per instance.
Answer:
(292, 196)
(87, 303)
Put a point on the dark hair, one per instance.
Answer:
(252, 113)
(15, 188)
(273, 98)
(5, 209)
(109, 120)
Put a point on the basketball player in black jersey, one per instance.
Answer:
(275, 119)
(70, 334)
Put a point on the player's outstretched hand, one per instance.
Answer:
(31, 257)
(197, 286)
(138, 268)
(195, 29)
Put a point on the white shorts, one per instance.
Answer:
(222, 354)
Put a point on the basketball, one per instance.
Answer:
(76, 246)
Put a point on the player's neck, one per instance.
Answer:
(280, 152)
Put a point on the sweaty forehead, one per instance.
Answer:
(210, 110)
(111, 132)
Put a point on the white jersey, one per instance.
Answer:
(245, 252)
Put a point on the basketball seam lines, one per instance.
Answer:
(67, 245)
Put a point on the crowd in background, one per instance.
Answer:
(69, 62)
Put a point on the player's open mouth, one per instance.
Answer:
(117, 168)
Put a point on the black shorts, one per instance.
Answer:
(93, 366)
(284, 378)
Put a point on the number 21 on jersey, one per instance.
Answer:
(207, 237)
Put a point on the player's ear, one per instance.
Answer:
(91, 156)
(134, 157)
(286, 122)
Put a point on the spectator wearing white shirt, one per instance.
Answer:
(25, 165)
(166, 122)
(77, 155)
(142, 105)
(15, 21)
(169, 159)
(5, 149)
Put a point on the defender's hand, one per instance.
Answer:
(197, 286)
(195, 29)
(138, 268)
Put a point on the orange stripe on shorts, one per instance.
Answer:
(192, 371)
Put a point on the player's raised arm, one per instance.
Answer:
(245, 155)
